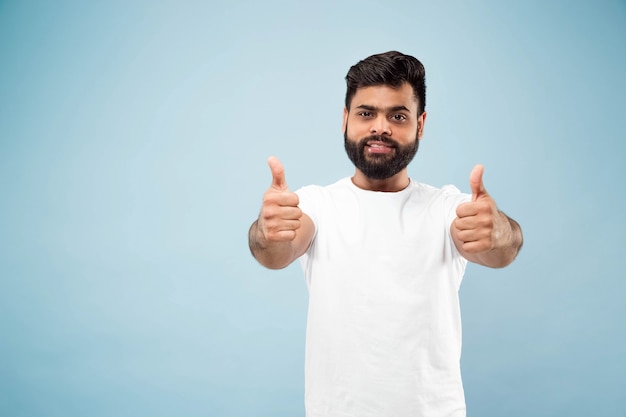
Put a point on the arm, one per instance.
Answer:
(282, 233)
(482, 233)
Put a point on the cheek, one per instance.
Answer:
(410, 133)
(355, 129)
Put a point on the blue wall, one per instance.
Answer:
(133, 141)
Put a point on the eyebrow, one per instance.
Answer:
(387, 109)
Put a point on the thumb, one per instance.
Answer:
(278, 174)
(476, 182)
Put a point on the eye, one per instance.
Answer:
(366, 114)
(398, 117)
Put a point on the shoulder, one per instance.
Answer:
(426, 189)
(315, 200)
(320, 190)
(448, 195)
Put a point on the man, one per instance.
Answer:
(383, 257)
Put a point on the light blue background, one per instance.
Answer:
(133, 146)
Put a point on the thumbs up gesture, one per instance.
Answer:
(480, 228)
(280, 215)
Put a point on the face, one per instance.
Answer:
(382, 130)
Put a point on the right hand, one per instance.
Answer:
(280, 215)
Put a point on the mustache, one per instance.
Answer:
(379, 138)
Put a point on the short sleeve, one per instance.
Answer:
(309, 197)
(452, 198)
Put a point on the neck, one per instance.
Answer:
(390, 185)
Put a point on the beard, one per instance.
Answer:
(379, 166)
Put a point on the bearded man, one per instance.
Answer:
(383, 257)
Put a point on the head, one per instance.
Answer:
(384, 114)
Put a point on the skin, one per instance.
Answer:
(482, 233)
(384, 110)
(282, 233)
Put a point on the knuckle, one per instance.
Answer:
(269, 199)
(292, 199)
(268, 212)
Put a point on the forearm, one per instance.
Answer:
(272, 255)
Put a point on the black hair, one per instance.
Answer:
(392, 69)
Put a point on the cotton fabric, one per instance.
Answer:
(384, 329)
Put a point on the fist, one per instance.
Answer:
(280, 215)
(479, 222)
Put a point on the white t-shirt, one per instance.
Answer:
(384, 326)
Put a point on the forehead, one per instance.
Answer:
(384, 96)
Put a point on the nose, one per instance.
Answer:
(380, 126)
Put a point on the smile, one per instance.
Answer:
(379, 147)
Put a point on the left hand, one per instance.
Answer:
(479, 225)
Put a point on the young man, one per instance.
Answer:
(383, 257)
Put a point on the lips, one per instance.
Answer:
(379, 147)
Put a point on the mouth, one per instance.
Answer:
(378, 147)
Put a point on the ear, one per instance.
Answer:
(345, 120)
(421, 121)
